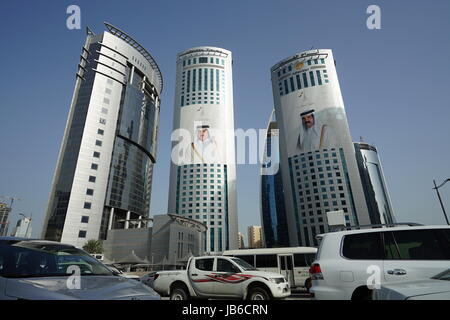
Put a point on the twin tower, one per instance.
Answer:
(104, 172)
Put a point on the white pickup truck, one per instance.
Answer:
(220, 277)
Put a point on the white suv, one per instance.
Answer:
(349, 262)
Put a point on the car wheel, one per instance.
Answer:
(308, 284)
(178, 294)
(258, 294)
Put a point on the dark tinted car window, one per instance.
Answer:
(310, 257)
(422, 245)
(249, 259)
(33, 259)
(390, 247)
(364, 246)
(266, 261)
(226, 266)
(299, 260)
(204, 264)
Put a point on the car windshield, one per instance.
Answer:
(443, 276)
(25, 259)
(244, 265)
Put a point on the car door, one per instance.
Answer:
(415, 254)
(201, 277)
(229, 280)
(362, 262)
(287, 268)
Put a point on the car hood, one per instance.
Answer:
(91, 288)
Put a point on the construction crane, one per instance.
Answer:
(10, 198)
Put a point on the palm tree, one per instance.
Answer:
(93, 246)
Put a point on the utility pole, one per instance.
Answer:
(439, 197)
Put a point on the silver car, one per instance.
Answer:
(436, 288)
(47, 270)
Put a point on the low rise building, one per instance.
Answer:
(165, 243)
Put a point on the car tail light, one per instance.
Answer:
(316, 272)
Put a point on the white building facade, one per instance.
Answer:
(317, 156)
(203, 170)
(23, 228)
(104, 171)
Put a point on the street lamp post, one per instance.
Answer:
(439, 197)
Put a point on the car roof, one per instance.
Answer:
(19, 239)
(383, 229)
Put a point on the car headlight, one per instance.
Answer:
(276, 280)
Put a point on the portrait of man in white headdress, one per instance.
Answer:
(203, 148)
(314, 135)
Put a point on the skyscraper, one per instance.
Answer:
(4, 215)
(255, 237)
(241, 243)
(203, 170)
(23, 228)
(273, 209)
(317, 155)
(374, 184)
(104, 171)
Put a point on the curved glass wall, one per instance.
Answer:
(129, 185)
(375, 191)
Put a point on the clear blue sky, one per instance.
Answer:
(395, 83)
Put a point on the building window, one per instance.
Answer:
(91, 179)
(217, 78)
(96, 154)
(319, 78)
(211, 79)
(94, 166)
(299, 82)
(189, 80)
(87, 205)
(286, 89)
(311, 76)
(90, 192)
(82, 234)
(305, 80)
(84, 219)
(100, 131)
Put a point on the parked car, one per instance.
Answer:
(47, 270)
(436, 288)
(220, 277)
(348, 261)
(148, 279)
(119, 272)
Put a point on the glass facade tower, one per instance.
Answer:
(273, 210)
(374, 184)
(104, 171)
